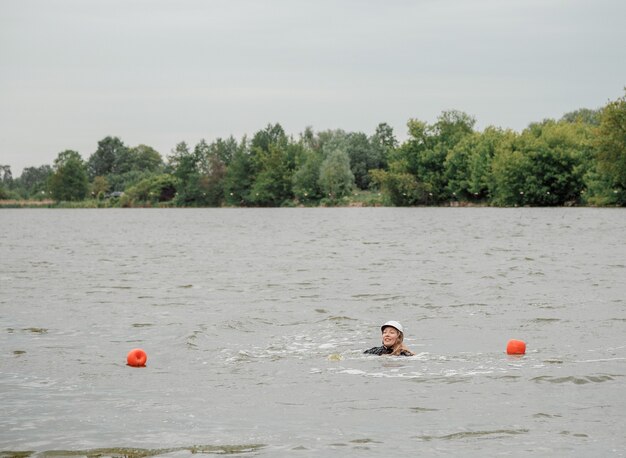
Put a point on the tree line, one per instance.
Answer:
(579, 159)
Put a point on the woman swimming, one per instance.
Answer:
(393, 336)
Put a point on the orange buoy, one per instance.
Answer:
(136, 357)
(516, 347)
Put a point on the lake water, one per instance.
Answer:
(255, 320)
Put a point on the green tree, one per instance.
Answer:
(69, 181)
(272, 185)
(424, 156)
(141, 158)
(610, 143)
(399, 186)
(187, 167)
(449, 130)
(6, 181)
(457, 168)
(34, 181)
(584, 115)
(383, 142)
(108, 154)
(99, 187)
(212, 171)
(310, 140)
(431, 172)
(468, 163)
(329, 141)
(272, 163)
(6, 177)
(132, 165)
(154, 189)
(509, 178)
(238, 178)
(336, 179)
(451, 127)
(212, 183)
(306, 176)
(544, 165)
(146, 159)
(488, 143)
(384, 136)
(363, 157)
(224, 150)
(271, 135)
(416, 157)
(122, 181)
(599, 189)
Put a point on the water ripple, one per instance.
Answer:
(475, 434)
(577, 380)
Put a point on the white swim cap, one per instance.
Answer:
(393, 324)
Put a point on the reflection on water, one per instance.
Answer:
(254, 322)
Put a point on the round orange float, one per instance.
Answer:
(516, 347)
(136, 357)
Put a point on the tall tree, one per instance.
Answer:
(383, 143)
(238, 177)
(141, 158)
(584, 115)
(272, 185)
(69, 181)
(336, 179)
(146, 159)
(399, 183)
(544, 165)
(272, 160)
(271, 135)
(306, 176)
(211, 172)
(212, 183)
(384, 136)
(224, 150)
(6, 178)
(34, 180)
(5, 174)
(468, 164)
(109, 152)
(363, 157)
(309, 139)
(99, 187)
(452, 126)
(187, 168)
(329, 141)
(611, 147)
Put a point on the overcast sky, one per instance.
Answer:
(159, 72)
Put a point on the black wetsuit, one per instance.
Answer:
(382, 350)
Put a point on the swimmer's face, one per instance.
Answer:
(390, 336)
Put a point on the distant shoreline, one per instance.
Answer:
(94, 204)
